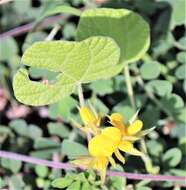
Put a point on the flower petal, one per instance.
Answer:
(135, 127)
(119, 156)
(117, 120)
(87, 116)
(112, 161)
(112, 133)
(125, 146)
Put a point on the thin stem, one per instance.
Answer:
(129, 87)
(27, 27)
(66, 166)
(147, 160)
(53, 33)
(80, 95)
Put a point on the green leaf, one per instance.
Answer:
(127, 28)
(58, 129)
(181, 57)
(44, 143)
(172, 157)
(126, 111)
(62, 9)
(102, 87)
(74, 186)
(41, 171)
(63, 108)
(8, 48)
(181, 72)
(73, 149)
(19, 126)
(16, 182)
(173, 102)
(86, 186)
(160, 87)
(150, 70)
(155, 147)
(13, 165)
(65, 57)
(62, 182)
(34, 131)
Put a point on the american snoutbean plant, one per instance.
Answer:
(107, 41)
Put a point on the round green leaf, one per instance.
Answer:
(8, 48)
(128, 29)
(150, 70)
(74, 186)
(41, 171)
(62, 182)
(181, 72)
(172, 157)
(181, 57)
(160, 87)
(73, 149)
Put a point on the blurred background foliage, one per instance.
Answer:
(159, 82)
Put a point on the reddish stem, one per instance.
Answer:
(67, 166)
(27, 27)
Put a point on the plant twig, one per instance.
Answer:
(27, 27)
(53, 33)
(80, 95)
(129, 87)
(147, 160)
(67, 166)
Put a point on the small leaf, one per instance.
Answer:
(62, 182)
(44, 143)
(160, 87)
(8, 48)
(62, 9)
(92, 56)
(127, 28)
(63, 108)
(58, 129)
(150, 70)
(181, 57)
(41, 171)
(19, 126)
(181, 72)
(74, 186)
(73, 149)
(34, 131)
(13, 165)
(102, 87)
(172, 157)
(173, 102)
(16, 182)
(86, 186)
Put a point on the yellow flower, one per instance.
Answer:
(103, 146)
(131, 132)
(91, 120)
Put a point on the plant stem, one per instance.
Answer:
(80, 95)
(147, 160)
(67, 166)
(129, 87)
(52, 33)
